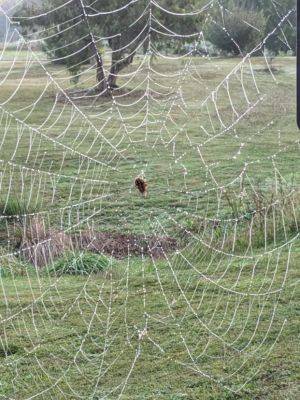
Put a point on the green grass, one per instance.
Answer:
(65, 336)
(53, 337)
(83, 263)
(12, 207)
(169, 188)
(12, 266)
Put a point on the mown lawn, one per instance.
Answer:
(75, 336)
(215, 320)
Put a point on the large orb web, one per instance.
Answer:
(188, 285)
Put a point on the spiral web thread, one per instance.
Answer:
(73, 158)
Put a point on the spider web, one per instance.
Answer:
(191, 290)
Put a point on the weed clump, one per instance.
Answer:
(254, 217)
(15, 209)
(11, 266)
(41, 245)
(80, 263)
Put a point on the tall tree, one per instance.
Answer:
(281, 37)
(75, 32)
(285, 37)
(236, 27)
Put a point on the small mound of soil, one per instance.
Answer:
(41, 246)
(120, 245)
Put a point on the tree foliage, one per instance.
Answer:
(71, 34)
(238, 26)
(285, 37)
(235, 29)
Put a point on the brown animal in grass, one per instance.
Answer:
(141, 185)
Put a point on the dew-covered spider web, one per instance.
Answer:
(106, 290)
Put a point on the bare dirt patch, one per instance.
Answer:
(41, 246)
(120, 245)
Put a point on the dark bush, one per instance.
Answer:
(236, 31)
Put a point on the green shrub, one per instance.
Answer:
(232, 31)
(81, 263)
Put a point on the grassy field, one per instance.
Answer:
(216, 319)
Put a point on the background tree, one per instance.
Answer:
(71, 34)
(285, 38)
(236, 29)
(264, 15)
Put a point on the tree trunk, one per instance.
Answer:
(117, 64)
(102, 85)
